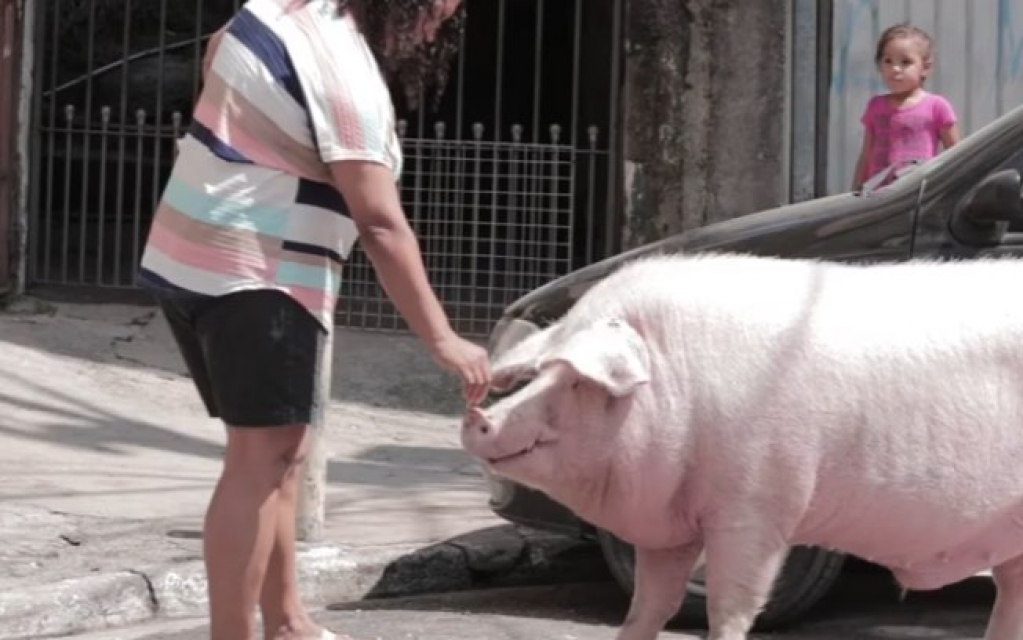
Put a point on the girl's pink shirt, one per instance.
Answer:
(901, 134)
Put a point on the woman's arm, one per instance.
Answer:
(372, 198)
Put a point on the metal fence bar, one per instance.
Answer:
(36, 145)
(69, 117)
(43, 256)
(140, 123)
(474, 266)
(121, 140)
(538, 71)
(86, 143)
(157, 117)
(502, 14)
(552, 233)
(101, 211)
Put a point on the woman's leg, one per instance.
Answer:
(280, 601)
(243, 522)
(262, 352)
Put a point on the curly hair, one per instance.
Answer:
(414, 65)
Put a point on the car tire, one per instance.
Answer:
(807, 576)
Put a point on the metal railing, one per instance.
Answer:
(500, 207)
(495, 220)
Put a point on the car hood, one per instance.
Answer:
(770, 232)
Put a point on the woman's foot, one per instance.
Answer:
(306, 631)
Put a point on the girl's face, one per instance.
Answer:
(904, 65)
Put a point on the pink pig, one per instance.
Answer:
(738, 405)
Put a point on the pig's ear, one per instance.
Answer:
(519, 362)
(609, 353)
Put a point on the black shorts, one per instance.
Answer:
(255, 356)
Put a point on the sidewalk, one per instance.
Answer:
(107, 460)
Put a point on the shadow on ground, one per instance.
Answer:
(79, 424)
(370, 368)
(504, 556)
(864, 604)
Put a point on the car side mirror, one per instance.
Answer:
(985, 212)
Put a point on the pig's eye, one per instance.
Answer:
(576, 383)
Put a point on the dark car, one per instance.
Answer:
(963, 204)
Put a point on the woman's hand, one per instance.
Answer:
(468, 361)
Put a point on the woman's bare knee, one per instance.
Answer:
(271, 453)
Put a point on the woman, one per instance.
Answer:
(291, 156)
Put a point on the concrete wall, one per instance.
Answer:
(16, 68)
(704, 112)
(23, 157)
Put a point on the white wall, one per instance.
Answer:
(979, 64)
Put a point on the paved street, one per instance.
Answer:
(864, 606)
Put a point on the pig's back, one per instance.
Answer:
(904, 381)
(787, 314)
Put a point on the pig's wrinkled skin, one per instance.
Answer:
(739, 405)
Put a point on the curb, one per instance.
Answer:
(329, 574)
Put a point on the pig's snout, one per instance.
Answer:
(491, 438)
(476, 423)
(479, 436)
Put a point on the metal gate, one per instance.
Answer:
(10, 60)
(510, 183)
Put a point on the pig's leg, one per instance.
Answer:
(661, 577)
(742, 565)
(1006, 621)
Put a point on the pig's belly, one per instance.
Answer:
(928, 548)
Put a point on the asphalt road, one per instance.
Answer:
(865, 605)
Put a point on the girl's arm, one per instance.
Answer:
(950, 135)
(861, 162)
(948, 124)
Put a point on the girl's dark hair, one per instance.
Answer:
(390, 30)
(904, 30)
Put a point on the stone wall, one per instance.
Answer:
(704, 109)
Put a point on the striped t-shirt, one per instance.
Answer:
(250, 203)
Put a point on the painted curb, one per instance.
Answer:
(329, 574)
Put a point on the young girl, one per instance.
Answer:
(908, 123)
